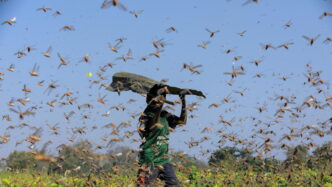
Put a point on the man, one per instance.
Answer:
(154, 129)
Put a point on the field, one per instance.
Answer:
(188, 177)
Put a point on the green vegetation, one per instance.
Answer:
(78, 165)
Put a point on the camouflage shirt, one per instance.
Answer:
(154, 149)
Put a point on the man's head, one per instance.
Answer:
(155, 91)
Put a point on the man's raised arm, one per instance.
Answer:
(183, 115)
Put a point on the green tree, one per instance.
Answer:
(259, 164)
(228, 154)
(120, 159)
(186, 161)
(19, 160)
(76, 159)
(322, 156)
(297, 156)
(122, 156)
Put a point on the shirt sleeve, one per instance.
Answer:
(172, 120)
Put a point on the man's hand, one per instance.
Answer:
(182, 96)
(184, 92)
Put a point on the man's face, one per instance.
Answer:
(154, 92)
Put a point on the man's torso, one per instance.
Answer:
(154, 149)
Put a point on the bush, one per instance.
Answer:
(19, 160)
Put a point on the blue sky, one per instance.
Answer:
(95, 28)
